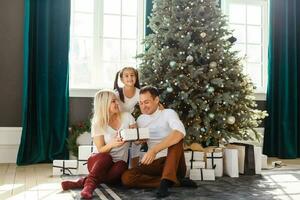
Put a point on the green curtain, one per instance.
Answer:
(282, 136)
(148, 11)
(46, 81)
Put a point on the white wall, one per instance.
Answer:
(9, 143)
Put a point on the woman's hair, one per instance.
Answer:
(102, 102)
(116, 86)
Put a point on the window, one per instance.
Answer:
(249, 20)
(104, 37)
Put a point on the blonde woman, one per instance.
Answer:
(108, 165)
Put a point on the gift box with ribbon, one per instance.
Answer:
(64, 167)
(214, 160)
(202, 174)
(134, 134)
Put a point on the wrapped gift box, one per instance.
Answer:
(202, 174)
(64, 167)
(257, 157)
(249, 158)
(195, 164)
(85, 151)
(214, 160)
(134, 134)
(231, 163)
(193, 155)
(264, 161)
(82, 168)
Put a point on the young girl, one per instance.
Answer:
(129, 94)
(129, 98)
(108, 165)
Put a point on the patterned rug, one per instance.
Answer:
(272, 184)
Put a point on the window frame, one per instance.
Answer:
(98, 42)
(260, 92)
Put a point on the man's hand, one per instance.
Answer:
(137, 142)
(148, 157)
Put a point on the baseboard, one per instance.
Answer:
(9, 143)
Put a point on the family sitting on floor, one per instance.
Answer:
(162, 166)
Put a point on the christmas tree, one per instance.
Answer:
(188, 57)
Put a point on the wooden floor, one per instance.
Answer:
(30, 182)
(36, 181)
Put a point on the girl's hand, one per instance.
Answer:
(117, 142)
(133, 126)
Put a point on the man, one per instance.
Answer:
(163, 165)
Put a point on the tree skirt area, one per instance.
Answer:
(272, 184)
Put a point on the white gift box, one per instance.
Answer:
(231, 163)
(64, 167)
(85, 151)
(257, 157)
(193, 155)
(134, 134)
(82, 168)
(202, 174)
(241, 156)
(264, 161)
(214, 160)
(195, 164)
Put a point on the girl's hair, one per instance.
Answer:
(102, 102)
(116, 86)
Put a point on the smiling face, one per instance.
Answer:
(148, 104)
(128, 77)
(114, 106)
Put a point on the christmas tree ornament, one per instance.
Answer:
(189, 59)
(213, 64)
(172, 63)
(169, 89)
(203, 34)
(231, 120)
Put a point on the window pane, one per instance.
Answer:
(128, 50)
(81, 60)
(254, 71)
(112, 6)
(239, 33)
(111, 27)
(240, 48)
(111, 50)
(237, 13)
(84, 5)
(254, 34)
(129, 27)
(254, 53)
(129, 7)
(83, 24)
(108, 72)
(254, 15)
